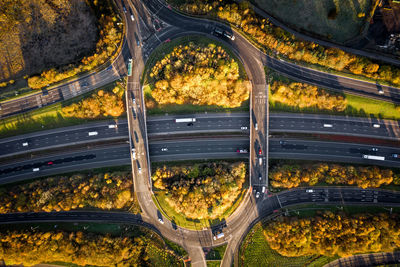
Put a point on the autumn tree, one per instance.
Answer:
(332, 234)
(200, 75)
(201, 191)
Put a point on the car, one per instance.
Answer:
(190, 124)
(242, 151)
(130, 60)
(256, 126)
(257, 194)
(243, 128)
(381, 92)
(133, 153)
(282, 143)
(217, 31)
(167, 41)
(25, 144)
(137, 42)
(124, 8)
(161, 220)
(309, 191)
(164, 149)
(112, 126)
(132, 17)
(229, 35)
(260, 151)
(93, 133)
(50, 163)
(260, 177)
(375, 149)
(35, 169)
(395, 156)
(263, 189)
(136, 137)
(138, 166)
(375, 125)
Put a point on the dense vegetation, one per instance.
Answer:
(30, 248)
(289, 176)
(197, 74)
(100, 104)
(103, 191)
(334, 234)
(304, 95)
(110, 36)
(272, 38)
(201, 191)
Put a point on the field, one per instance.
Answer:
(319, 16)
(43, 34)
(45, 118)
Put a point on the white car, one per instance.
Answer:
(257, 194)
(310, 191)
(242, 151)
(381, 92)
(25, 144)
(164, 149)
(375, 149)
(161, 220)
(132, 18)
(36, 169)
(243, 128)
(376, 125)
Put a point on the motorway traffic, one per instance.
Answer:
(140, 139)
(161, 126)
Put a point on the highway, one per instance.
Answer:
(165, 127)
(141, 39)
(204, 147)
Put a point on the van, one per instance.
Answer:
(327, 125)
(25, 144)
(36, 169)
(93, 133)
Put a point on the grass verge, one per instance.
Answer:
(356, 105)
(46, 118)
(215, 255)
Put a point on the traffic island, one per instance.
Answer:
(200, 195)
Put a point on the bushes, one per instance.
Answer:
(334, 234)
(103, 191)
(84, 249)
(200, 75)
(100, 104)
(289, 176)
(272, 38)
(202, 191)
(303, 95)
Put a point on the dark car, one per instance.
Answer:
(136, 137)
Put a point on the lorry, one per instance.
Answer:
(373, 157)
(186, 120)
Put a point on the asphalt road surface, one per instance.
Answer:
(166, 127)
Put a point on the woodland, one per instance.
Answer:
(201, 191)
(294, 175)
(197, 74)
(332, 234)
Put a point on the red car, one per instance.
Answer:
(50, 163)
(260, 152)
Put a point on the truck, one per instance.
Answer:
(130, 67)
(373, 157)
(186, 120)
